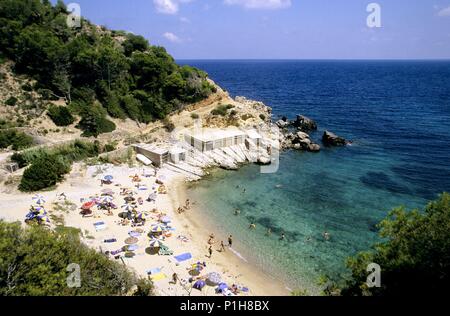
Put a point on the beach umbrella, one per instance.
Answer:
(131, 240)
(38, 199)
(199, 285)
(157, 229)
(128, 207)
(214, 278)
(140, 216)
(155, 243)
(88, 205)
(152, 197)
(106, 199)
(166, 219)
(108, 178)
(107, 192)
(133, 247)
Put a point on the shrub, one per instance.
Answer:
(60, 115)
(75, 151)
(222, 110)
(413, 243)
(44, 173)
(233, 113)
(93, 124)
(168, 125)
(194, 116)
(43, 256)
(12, 101)
(245, 117)
(18, 140)
(262, 117)
(27, 87)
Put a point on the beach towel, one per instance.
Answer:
(183, 257)
(99, 226)
(158, 276)
(153, 271)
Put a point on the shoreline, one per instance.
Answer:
(250, 272)
(80, 184)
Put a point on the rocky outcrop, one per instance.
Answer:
(331, 139)
(283, 123)
(304, 124)
(300, 141)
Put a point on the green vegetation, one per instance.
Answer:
(94, 68)
(44, 173)
(34, 262)
(18, 140)
(194, 116)
(222, 110)
(11, 101)
(415, 256)
(262, 117)
(71, 152)
(49, 165)
(60, 115)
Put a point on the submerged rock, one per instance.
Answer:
(331, 139)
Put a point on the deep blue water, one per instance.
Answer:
(397, 113)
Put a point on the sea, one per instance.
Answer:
(397, 115)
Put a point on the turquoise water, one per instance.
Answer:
(397, 114)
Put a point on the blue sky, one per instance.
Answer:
(281, 29)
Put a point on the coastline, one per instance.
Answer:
(251, 274)
(80, 184)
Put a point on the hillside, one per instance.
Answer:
(95, 74)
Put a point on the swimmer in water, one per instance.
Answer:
(283, 236)
(269, 232)
(326, 236)
(237, 212)
(252, 226)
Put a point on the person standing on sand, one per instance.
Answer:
(174, 278)
(230, 241)
(210, 251)
(222, 246)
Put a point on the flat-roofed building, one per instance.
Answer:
(177, 154)
(157, 155)
(207, 139)
(254, 137)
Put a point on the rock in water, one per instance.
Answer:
(314, 148)
(331, 139)
(305, 124)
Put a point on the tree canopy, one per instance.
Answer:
(122, 71)
(34, 261)
(415, 256)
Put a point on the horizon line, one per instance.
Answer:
(317, 59)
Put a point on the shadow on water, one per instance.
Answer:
(382, 181)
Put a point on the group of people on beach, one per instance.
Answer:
(211, 242)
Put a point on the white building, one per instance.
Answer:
(207, 139)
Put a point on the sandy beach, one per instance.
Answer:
(189, 234)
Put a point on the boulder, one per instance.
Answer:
(331, 139)
(305, 124)
(302, 135)
(314, 148)
(282, 124)
(297, 146)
